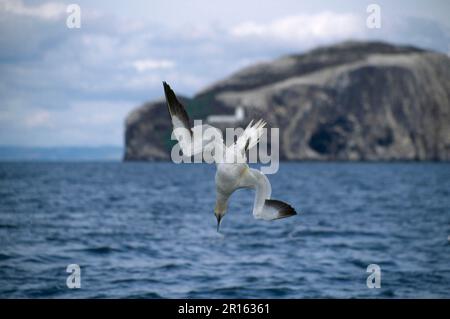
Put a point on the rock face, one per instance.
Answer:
(147, 132)
(352, 101)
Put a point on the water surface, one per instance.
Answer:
(147, 230)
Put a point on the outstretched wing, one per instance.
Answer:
(250, 137)
(179, 116)
(192, 140)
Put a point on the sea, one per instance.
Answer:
(148, 230)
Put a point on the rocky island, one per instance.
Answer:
(351, 101)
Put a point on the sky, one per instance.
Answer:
(63, 86)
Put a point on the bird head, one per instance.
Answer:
(219, 211)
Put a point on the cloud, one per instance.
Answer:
(152, 64)
(47, 11)
(304, 28)
(63, 86)
(422, 32)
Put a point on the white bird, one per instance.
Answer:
(230, 175)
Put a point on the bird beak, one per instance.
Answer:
(219, 218)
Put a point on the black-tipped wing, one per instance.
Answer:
(206, 137)
(177, 111)
(250, 137)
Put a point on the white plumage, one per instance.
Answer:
(232, 170)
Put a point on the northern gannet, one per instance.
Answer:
(231, 174)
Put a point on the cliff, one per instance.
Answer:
(351, 101)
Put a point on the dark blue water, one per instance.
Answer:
(148, 231)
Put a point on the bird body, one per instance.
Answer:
(232, 170)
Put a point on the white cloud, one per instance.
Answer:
(306, 28)
(152, 64)
(61, 86)
(47, 11)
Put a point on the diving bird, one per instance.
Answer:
(232, 170)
